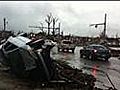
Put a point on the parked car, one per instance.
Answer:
(66, 45)
(95, 51)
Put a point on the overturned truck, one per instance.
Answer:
(27, 58)
(31, 59)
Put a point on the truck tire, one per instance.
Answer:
(63, 50)
(91, 57)
(81, 55)
(72, 50)
(106, 59)
(58, 49)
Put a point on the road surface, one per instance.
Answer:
(112, 67)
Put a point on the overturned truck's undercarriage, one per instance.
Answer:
(31, 59)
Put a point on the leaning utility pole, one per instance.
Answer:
(42, 27)
(104, 31)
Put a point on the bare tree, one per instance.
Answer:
(41, 26)
(54, 22)
(49, 21)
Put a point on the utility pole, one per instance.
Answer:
(59, 30)
(104, 31)
(4, 27)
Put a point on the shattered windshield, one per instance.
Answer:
(9, 46)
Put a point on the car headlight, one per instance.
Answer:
(109, 51)
(95, 51)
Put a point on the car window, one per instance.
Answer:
(99, 47)
(9, 46)
(67, 42)
(87, 47)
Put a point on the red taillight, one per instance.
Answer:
(94, 71)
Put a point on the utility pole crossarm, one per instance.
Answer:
(41, 27)
(34, 27)
(97, 24)
(104, 24)
(37, 27)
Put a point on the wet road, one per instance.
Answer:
(112, 67)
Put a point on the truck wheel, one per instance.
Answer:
(72, 50)
(106, 59)
(67, 50)
(81, 55)
(91, 57)
(62, 50)
(58, 49)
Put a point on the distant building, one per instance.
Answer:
(5, 34)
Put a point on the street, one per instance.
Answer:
(111, 67)
(10, 82)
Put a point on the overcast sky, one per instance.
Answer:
(75, 16)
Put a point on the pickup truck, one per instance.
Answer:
(66, 45)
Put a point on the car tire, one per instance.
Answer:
(72, 50)
(58, 49)
(63, 50)
(67, 50)
(106, 59)
(91, 57)
(81, 55)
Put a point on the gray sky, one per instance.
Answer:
(75, 16)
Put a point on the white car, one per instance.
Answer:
(66, 45)
(49, 42)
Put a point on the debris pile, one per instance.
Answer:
(76, 76)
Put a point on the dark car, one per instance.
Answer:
(95, 51)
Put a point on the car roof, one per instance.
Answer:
(66, 40)
(96, 45)
(19, 41)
